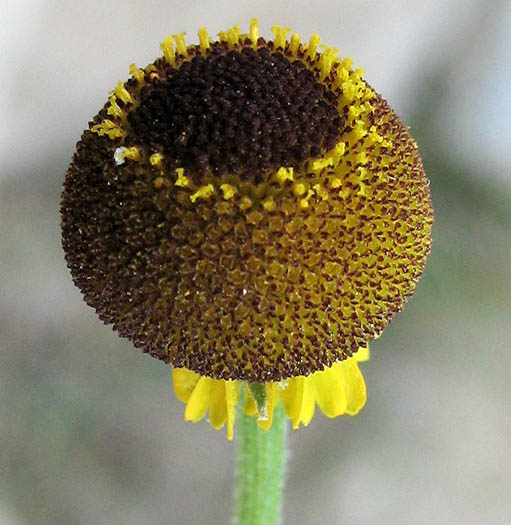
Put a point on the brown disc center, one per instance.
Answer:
(245, 112)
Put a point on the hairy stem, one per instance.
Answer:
(259, 470)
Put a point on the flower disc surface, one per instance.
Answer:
(246, 209)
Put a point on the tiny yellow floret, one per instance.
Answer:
(304, 203)
(137, 73)
(180, 44)
(181, 180)
(121, 92)
(109, 128)
(313, 46)
(269, 204)
(299, 189)
(231, 36)
(294, 44)
(339, 149)
(156, 159)
(284, 174)
(228, 190)
(328, 57)
(203, 192)
(335, 183)
(254, 31)
(114, 108)
(131, 154)
(321, 191)
(245, 203)
(203, 39)
(322, 163)
(280, 36)
(167, 46)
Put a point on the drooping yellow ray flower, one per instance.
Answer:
(337, 390)
(253, 213)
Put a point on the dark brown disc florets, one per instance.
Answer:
(237, 112)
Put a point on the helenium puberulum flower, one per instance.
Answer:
(252, 212)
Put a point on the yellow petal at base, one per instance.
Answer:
(204, 393)
(337, 390)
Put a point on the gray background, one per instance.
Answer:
(90, 430)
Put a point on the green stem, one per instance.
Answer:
(259, 470)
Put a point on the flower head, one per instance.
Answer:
(248, 211)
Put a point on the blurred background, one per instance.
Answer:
(90, 429)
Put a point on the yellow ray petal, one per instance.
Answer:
(355, 387)
(249, 407)
(308, 402)
(199, 400)
(184, 382)
(217, 403)
(362, 354)
(292, 398)
(272, 398)
(231, 399)
(329, 390)
(337, 390)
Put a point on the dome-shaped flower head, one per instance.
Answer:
(251, 212)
